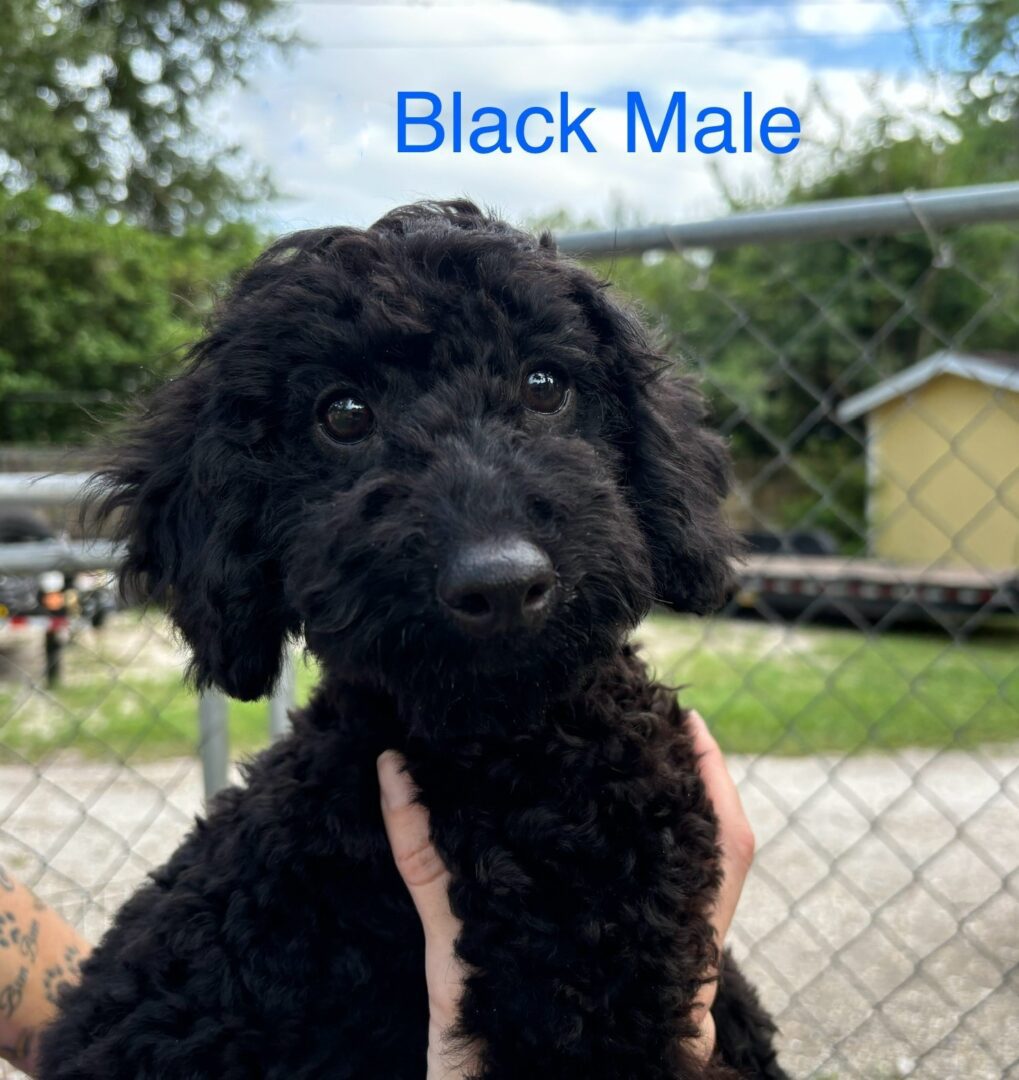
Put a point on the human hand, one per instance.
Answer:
(736, 839)
(427, 881)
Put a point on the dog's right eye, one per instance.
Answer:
(545, 391)
(346, 419)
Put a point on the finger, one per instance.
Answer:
(714, 772)
(734, 833)
(419, 864)
(427, 881)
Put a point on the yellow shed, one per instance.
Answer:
(943, 462)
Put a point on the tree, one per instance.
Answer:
(782, 333)
(990, 46)
(100, 100)
(92, 311)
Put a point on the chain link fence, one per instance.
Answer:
(863, 358)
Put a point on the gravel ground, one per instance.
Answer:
(881, 921)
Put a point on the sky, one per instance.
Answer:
(324, 118)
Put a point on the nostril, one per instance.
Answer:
(536, 594)
(474, 604)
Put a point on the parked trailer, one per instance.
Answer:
(870, 590)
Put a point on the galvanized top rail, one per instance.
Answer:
(833, 219)
(69, 556)
(42, 489)
(52, 489)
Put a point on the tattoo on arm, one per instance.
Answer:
(40, 956)
(27, 943)
(54, 980)
(13, 992)
(21, 1050)
(59, 976)
(72, 958)
(12, 935)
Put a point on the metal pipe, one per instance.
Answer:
(214, 748)
(67, 555)
(827, 220)
(42, 489)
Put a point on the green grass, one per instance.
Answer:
(767, 689)
(137, 719)
(122, 696)
(762, 688)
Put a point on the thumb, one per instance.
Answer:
(419, 864)
(427, 881)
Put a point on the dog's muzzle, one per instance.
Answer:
(498, 587)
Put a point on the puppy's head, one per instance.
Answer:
(444, 453)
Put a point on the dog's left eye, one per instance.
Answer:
(346, 419)
(545, 391)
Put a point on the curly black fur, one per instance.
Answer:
(279, 941)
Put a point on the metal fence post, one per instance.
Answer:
(214, 747)
(282, 698)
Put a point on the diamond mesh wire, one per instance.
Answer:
(879, 723)
(870, 707)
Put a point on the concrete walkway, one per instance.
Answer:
(881, 921)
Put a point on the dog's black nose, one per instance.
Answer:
(499, 586)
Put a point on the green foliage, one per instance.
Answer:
(100, 103)
(91, 311)
(990, 44)
(782, 333)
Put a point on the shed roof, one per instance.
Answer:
(992, 369)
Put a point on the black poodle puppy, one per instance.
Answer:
(460, 468)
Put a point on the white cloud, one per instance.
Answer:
(325, 121)
(849, 18)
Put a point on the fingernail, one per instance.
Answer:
(394, 784)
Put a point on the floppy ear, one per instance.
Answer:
(677, 469)
(191, 510)
(679, 478)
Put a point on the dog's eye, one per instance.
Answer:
(346, 419)
(545, 391)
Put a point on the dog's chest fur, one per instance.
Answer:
(280, 942)
(584, 859)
